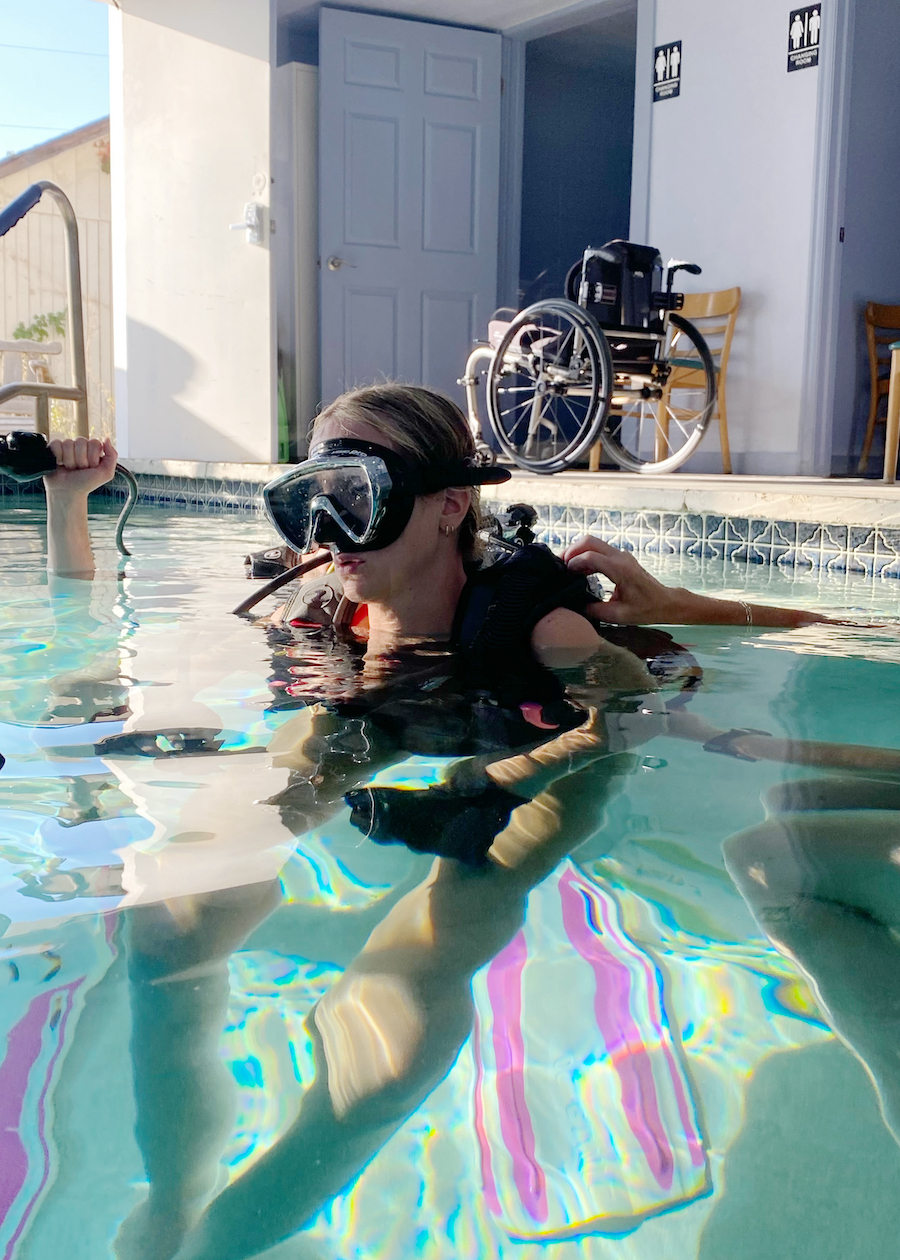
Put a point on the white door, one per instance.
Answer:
(409, 151)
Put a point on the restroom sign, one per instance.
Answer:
(667, 71)
(804, 26)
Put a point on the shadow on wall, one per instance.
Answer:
(159, 425)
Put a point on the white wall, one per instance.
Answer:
(194, 302)
(731, 187)
(870, 257)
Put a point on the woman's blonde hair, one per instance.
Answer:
(419, 423)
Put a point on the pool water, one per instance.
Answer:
(641, 1071)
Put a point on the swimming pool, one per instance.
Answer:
(644, 1076)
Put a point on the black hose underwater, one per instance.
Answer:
(130, 480)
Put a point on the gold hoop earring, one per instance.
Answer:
(447, 530)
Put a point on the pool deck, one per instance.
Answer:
(850, 525)
(837, 501)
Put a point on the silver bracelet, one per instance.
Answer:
(747, 610)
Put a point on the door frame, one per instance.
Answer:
(512, 126)
(817, 393)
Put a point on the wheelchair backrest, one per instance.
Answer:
(617, 284)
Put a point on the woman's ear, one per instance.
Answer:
(457, 501)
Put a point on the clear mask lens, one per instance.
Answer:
(342, 493)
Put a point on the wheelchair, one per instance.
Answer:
(611, 361)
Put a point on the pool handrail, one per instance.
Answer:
(39, 390)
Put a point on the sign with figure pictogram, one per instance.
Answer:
(804, 27)
(667, 71)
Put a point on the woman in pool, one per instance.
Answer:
(407, 995)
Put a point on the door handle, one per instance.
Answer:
(334, 263)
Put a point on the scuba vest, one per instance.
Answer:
(494, 663)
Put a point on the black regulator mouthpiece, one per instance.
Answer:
(26, 456)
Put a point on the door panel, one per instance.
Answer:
(449, 188)
(452, 76)
(370, 335)
(372, 181)
(408, 186)
(448, 329)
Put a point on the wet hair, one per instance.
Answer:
(419, 423)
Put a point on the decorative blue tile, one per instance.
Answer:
(693, 525)
(714, 528)
(861, 538)
(662, 547)
(649, 522)
(809, 535)
(784, 533)
(759, 554)
(759, 532)
(834, 537)
(671, 525)
(736, 528)
(888, 540)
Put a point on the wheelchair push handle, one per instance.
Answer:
(678, 264)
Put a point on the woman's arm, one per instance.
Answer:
(639, 599)
(83, 465)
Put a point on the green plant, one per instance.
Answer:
(42, 327)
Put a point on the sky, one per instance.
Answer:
(54, 69)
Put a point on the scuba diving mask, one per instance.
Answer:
(358, 496)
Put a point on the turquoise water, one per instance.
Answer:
(643, 1072)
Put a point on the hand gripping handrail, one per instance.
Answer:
(42, 391)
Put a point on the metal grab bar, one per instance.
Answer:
(77, 393)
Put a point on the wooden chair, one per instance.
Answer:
(24, 361)
(715, 315)
(892, 430)
(882, 325)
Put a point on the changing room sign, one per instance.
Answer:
(667, 71)
(804, 26)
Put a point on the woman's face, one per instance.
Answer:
(421, 551)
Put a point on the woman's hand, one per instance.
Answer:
(638, 599)
(83, 464)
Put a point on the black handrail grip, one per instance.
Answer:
(18, 208)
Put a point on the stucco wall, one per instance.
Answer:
(731, 187)
(194, 344)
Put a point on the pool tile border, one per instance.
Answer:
(873, 550)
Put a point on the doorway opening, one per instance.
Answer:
(577, 146)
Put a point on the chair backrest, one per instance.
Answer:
(715, 315)
(23, 361)
(882, 326)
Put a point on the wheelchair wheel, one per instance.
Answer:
(549, 385)
(657, 426)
